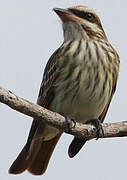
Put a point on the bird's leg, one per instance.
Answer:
(98, 127)
(69, 123)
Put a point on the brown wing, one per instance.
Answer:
(46, 92)
(35, 157)
(102, 116)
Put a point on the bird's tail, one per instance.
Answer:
(36, 159)
(75, 146)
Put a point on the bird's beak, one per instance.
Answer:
(64, 14)
(61, 11)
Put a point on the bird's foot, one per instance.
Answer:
(70, 123)
(98, 127)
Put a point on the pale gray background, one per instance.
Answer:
(29, 33)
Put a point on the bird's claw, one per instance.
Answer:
(98, 127)
(70, 123)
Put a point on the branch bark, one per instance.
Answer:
(118, 129)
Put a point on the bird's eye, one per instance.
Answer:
(89, 16)
(85, 15)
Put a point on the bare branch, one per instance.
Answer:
(54, 119)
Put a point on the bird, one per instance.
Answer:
(79, 82)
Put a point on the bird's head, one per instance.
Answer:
(81, 22)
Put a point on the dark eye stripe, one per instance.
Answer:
(82, 14)
(86, 15)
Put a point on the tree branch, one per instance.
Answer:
(118, 129)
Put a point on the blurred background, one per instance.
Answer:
(29, 33)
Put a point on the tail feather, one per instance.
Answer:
(36, 159)
(40, 162)
(20, 164)
(76, 146)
